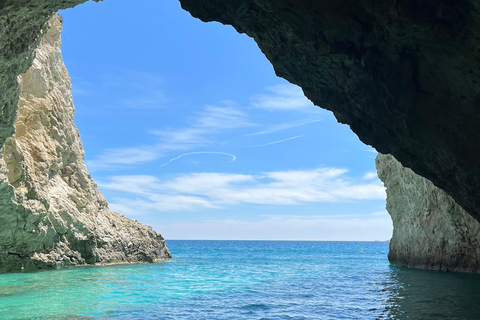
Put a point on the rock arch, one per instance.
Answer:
(404, 75)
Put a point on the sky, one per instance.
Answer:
(187, 128)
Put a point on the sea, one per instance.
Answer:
(267, 280)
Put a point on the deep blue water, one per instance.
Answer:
(246, 280)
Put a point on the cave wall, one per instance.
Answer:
(430, 230)
(51, 213)
(403, 74)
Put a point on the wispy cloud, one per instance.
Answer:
(284, 97)
(318, 227)
(275, 142)
(203, 127)
(201, 152)
(222, 189)
(370, 175)
(284, 126)
(210, 121)
(220, 118)
(137, 207)
(122, 156)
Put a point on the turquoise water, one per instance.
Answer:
(246, 280)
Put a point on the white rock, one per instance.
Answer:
(51, 212)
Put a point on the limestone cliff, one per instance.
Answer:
(430, 231)
(51, 212)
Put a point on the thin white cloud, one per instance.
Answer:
(272, 188)
(181, 138)
(284, 126)
(207, 123)
(275, 142)
(123, 156)
(370, 175)
(284, 97)
(142, 185)
(138, 207)
(203, 127)
(227, 117)
(319, 227)
(201, 152)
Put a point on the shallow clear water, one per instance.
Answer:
(246, 280)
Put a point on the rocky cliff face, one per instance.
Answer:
(404, 75)
(430, 231)
(51, 212)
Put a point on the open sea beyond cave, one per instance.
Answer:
(246, 280)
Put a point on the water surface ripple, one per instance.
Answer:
(266, 280)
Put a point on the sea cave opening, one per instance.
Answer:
(187, 128)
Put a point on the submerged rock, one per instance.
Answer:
(51, 212)
(430, 230)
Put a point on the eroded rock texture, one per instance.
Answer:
(51, 212)
(21, 23)
(430, 230)
(404, 74)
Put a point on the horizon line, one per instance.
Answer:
(277, 240)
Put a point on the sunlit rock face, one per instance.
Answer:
(21, 23)
(51, 212)
(430, 230)
(405, 75)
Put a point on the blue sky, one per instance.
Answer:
(186, 128)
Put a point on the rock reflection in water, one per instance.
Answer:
(421, 294)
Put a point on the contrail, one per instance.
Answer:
(200, 152)
(274, 142)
